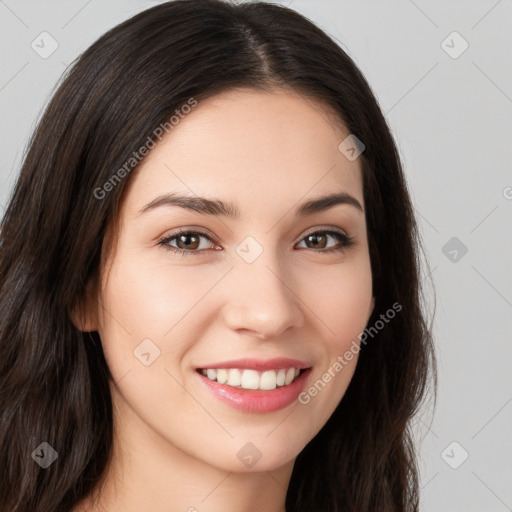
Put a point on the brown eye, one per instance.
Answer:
(320, 239)
(317, 241)
(189, 242)
(186, 242)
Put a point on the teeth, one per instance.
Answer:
(222, 376)
(290, 375)
(268, 380)
(235, 377)
(251, 379)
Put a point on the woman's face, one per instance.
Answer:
(252, 295)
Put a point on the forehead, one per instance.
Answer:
(253, 147)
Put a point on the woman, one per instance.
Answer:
(209, 279)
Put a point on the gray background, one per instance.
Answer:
(452, 120)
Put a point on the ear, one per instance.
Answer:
(84, 314)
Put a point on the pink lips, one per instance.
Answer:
(261, 365)
(258, 401)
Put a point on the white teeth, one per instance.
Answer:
(290, 375)
(235, 377)
(268, 380)
(222, 375)
(251, 379)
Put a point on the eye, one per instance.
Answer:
(189, 242)
(319, 240)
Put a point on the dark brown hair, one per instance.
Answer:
(54, 381)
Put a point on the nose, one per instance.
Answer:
(262, 300)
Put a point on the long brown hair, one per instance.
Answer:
(54, 381)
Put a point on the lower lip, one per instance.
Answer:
(257, 401)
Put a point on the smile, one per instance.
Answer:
(256, 385)
(252, 379)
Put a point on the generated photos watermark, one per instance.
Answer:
(137, 156)
(343, 360)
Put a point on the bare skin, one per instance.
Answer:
(176, 444)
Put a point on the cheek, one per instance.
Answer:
(146, 301)
(343, 305)
(342, 301)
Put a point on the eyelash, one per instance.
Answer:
(346, 240)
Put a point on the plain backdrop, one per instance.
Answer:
(441, 71)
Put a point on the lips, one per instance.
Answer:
(259, 365)
(256, 386)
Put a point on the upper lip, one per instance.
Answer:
(260, 364)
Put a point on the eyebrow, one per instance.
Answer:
(216, 207)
